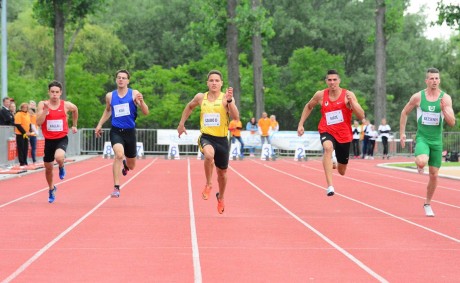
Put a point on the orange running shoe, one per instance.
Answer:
(205, 193)
(220, 204)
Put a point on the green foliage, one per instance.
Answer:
(74, 10)
(449, 14)
(83, 89)
(305, 75)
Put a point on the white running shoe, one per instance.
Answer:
(428, 211)
(420, 170)
(330, 191)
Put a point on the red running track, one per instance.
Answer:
(278, 225)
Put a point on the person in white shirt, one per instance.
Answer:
(384, 132)
(373, 135)
(356, 129)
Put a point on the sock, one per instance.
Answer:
(117, 187)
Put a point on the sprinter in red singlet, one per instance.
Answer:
(337, 107)
(52, 117)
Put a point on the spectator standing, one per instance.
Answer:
(33, 130)
(235, 128)
(6, 117)
(22, 131)
(367, 129)
(384, 132)
(356, 129)
(252, 127)
(264, 125)
(373, 136)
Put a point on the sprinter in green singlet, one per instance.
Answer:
(434, 106)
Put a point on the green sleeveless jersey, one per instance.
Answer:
(430, 119)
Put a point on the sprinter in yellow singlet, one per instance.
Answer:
(213, 141)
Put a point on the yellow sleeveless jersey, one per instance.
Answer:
(214, 118)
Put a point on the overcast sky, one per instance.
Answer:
(430, 11)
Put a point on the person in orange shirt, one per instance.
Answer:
(274, 126)
(235, 128)
(33, 130)
(264, 128)
(22, 131)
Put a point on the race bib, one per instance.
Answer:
(334, 117)
(121, 110)
(54, 125)
(431, 119)
(211, 119)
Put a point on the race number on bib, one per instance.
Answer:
(431, 119)
(54, 125)
(211, 119)
(334, 117)
(121, 110)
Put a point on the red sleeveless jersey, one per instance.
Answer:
(55, 125)
(336, 118)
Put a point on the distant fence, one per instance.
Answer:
(86, 143)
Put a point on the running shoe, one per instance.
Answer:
(115, 193)
(428, 211)
(205, 194)
(61, 173)
(330, 191)
(52, 195)
(420, 170)
(125, 169)
(220, 204)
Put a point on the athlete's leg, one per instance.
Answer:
(327, 160)
(222, 180)
(119, 155)
(432, 183)
(208, 152)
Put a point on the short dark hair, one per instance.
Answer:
(54, 83)
(215, 72)
(432, 71)
(123, 71)
(6, 98)
(332, 72)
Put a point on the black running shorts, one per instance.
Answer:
(221, 149)
(51, 145)
(342, 150)
(125, 137)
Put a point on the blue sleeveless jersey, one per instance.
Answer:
(124, 110)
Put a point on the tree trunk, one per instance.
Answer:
(380, 101)
(257, 67)
(233, 52)
(59, 60)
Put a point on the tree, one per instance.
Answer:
(257, 63)
(448, 13)
(388, 19)
(55, 14)
(233, 52)
(380, 63)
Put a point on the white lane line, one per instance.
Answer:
(369, 206)
(31, 260)
(384, 187)
(195, 251)
(318, 233)
(57, 184)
